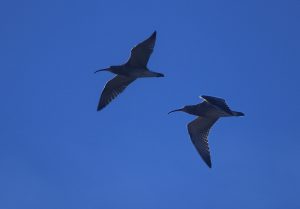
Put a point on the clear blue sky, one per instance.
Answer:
(57, 152)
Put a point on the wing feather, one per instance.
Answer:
(140, 54)
(112, 89)
(218, 102)
(199, 130)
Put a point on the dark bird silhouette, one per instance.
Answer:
(208, 112)
(135, 67)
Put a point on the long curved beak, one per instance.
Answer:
(181, 109)
(106, 69)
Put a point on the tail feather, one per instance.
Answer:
(152, 74)
(159, 75)
(238, 113)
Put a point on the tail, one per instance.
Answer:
(159, 75)
(237, 113)
(149, 73)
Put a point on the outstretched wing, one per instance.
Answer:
(140, 54)
(218, 102)
(112, 89)
(199, 130)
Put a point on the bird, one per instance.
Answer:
(134, 68)
(208, 112)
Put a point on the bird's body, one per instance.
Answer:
(208, 112)
(135, 67)
(204, 109)
(134, 72)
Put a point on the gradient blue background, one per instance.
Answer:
(57, 152)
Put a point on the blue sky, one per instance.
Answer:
(56, 151)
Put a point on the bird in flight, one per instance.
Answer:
(208, 112)
(135, 67)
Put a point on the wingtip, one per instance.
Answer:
(208, 163)
(100, 107)
(153, 34)
(204, 97)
